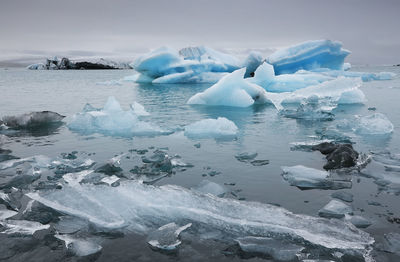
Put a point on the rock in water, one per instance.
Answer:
(338, 155)
(278, 250)
(166, 237)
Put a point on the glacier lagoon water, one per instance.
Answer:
(260, 129)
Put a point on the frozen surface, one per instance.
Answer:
(166, 237)
(219, 127)
(231, 90)
(278, 250)
(309, 55)
(138, 207)
(79, 247)
(306, 178)
(112, 120)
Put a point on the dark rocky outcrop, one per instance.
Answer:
(338, 155)
(67, 64)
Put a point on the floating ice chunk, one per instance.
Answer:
(336, 209)
(265, 77)
(344, 196)
(32, 120)
(76, 178)
(70, 225)
(190, 77)
(38, 66)
(208, 187)
(359, 221)
(305, 177)
(363, 75)
(245, 156)
(278, 250)
(391, 243)
(331, 93)
(346, 66)
(231, 90)
(39, 161)
(110, 180)
(376, 124)
(79, 247)
(138, 109)
(219, 127)
(166, 237)
(5, 214)
(112, 120)
(135, 206)
(309, 55)
(22, 227)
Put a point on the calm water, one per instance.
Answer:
(261, 130)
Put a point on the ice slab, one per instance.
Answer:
(359, 221)
(220, 127)
(375, 124)
(336, 209)
(231, 90)
(79, 247)
(365, 76)
(278, 250)
(307, 178)
(166, 237)
(5, 214)
(309, 55)
(139, 207)
(21, 227)
(208, 187)
(112, 120)
(344, 196)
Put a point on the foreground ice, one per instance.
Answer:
(336, 209)
(307, 178)
(79, 247)
(139, 207)
(219, 127)
(113, 120)
(309, 55)
(166, 237)
(22, 227)
(231, 90)
(278, 250)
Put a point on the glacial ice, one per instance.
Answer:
(6, 213)
(376, 124)
(166, 237)
(112, 120)
(31, 120)
(358, 221)
(139, 207)
(336, 209)
(309, 55)
(79, 247)
(278, 250)
(38, 66)
(220, 127)
(231, 90)
(363, 75)
(306, 178)
(22, 227)
(208, 187)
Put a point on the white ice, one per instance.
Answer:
(219, 127)
(79, 247)
(336, 209)
(112, 120)
(22, 227)
(167, 237)
(375, 124)
(139, 207)
(209, 187)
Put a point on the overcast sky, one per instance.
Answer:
(370, 29)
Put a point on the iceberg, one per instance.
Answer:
(219, 127)
(307, 178)
(22, 227)
(231, 90)
(309, 55)
(112, 120)
(32, 120)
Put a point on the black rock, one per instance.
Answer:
(338, 155)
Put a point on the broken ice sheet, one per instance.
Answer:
(308, 178)
(166, 237)
(79, 247)
(22, 227)
(335, 209)
(278, 250)
(208, 187)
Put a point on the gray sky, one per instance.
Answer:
(370, 29)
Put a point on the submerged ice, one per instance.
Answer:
(113, 120)
(141, 207)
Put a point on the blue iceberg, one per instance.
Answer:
(309, 55)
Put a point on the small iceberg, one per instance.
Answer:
(79, 247)
(335, 209)
(206, 128)
(376, 124)
(166, 237)
(21, 227)
(113, 120)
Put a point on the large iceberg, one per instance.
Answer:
(112, 120)
(189, 65)
(141, 208)
(309, 55)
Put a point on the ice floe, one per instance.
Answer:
(21, 227)
(112, 120)
(220, 127)
(166, 237)
(79, 247)
(336, 209)
(375, 124)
